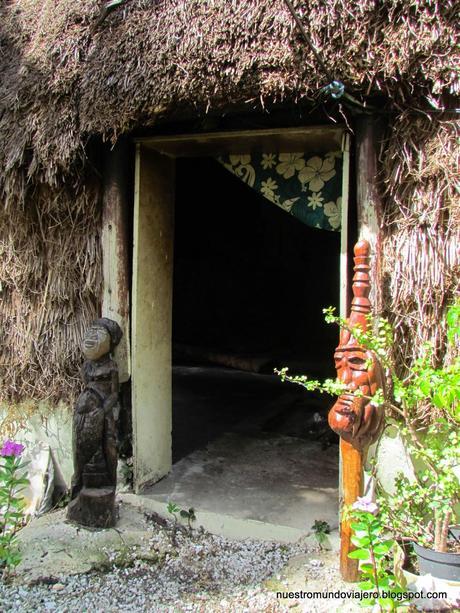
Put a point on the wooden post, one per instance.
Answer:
(344, 234)
(115, 249)
(352, 487)
(353, 416)
(368, 131)
(152, 315)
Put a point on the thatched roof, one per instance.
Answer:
(66, 75)
(63, 80)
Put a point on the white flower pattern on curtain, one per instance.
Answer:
(309, 187)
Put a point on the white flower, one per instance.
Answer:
(290, 162)
(315, 201)
(268, 160)
(365, 503)
(317, 172)
(268, 188)
(333, 211)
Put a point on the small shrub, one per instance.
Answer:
(11, 503)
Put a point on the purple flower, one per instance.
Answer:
(10, 448)
(365, 503)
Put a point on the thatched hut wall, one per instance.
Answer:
(68, 75)
(421, 233)
(50, 270)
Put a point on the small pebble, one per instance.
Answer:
(57, 587)
(316, 563)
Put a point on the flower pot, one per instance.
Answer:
(440, 564)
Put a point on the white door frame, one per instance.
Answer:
(153, 269)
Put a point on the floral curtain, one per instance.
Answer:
(306, 186)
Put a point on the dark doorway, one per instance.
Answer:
(250, 283)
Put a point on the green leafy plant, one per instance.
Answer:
(11, 503)
(173, 510)
(127, 471)
(189, 515)
(422, 509)
(321, 529)
(374, 550)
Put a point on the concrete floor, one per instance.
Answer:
(253, 456)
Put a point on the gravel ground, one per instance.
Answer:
(182, 571)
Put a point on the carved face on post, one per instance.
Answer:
(96, 342)
(353, 417)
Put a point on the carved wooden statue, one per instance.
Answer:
(354, 418)
(95, 430)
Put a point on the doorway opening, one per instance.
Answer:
(250, 283)
(241, 295)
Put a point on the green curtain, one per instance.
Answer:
(307, 186)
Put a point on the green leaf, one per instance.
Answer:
(13, 515)
(21, 481)
(359, 526)
(366, 586)
(172, 508)
(387, 603)
(384, 547)
(367, 602)
(438, 400)
(359, 554)
(425, 386)
(360, 541)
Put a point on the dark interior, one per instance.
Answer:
(250, 283)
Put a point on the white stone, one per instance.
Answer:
(392, 458)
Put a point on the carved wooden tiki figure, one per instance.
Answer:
(95, 430)
(354, 418)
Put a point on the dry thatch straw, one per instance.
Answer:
(50, 267)
(63, 81)
(422, 232)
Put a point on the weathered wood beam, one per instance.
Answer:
(152, 316)
(368, 134)
(368, 137)
(116, 247)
